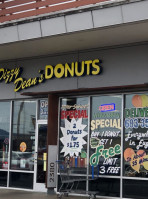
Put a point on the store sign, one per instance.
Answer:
(43, 109)
(106, 153)
(107, 107)
(105, 123)
(73, 135)
(75, 69)
(105, 136)
(136, 159)
(136, 140)
(52, 171)
(74, 114)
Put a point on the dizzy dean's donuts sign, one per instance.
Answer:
(75, 69)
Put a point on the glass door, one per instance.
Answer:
(41, 157)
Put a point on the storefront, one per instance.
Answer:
(23, 144)
(92, 105)
(105, 137)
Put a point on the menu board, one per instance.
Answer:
(105, 137)
(136, 136)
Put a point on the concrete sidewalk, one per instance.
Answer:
(15, 194)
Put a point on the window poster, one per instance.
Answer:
(105, 137)
(136, 136)
(43, 112)
(74, 131)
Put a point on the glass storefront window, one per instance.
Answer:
(105, 135)
(136, 135)
(89, 142)
(103, 148)
(23, 135)
(74, 133)
(4, 133)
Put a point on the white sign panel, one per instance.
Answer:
(52, 166)
(73, 135)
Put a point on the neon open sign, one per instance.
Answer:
(107, 107)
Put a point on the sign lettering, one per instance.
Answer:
(75, 69)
